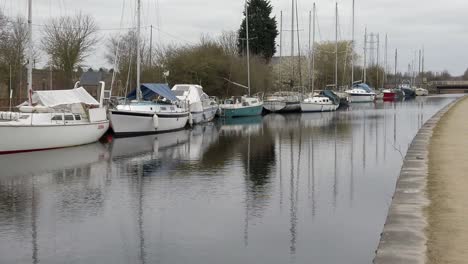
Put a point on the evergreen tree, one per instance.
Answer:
(262, 30)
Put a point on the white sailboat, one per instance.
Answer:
(421, 92)
(202, 107)
(159, 111)
(326, 101)
(52, 119)
(246, 105)
(284, 101)
(361, 93)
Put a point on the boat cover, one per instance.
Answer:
(53, 98)
(149, 90)
(363, 86)
(332, 96)
(190, 92)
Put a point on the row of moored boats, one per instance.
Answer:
(62, 118)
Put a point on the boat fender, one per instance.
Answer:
(190, 119)
(155, 121)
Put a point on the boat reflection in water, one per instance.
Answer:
(34, 163)
(184, 145)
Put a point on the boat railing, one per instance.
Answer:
(260, 95)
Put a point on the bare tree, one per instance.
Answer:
(13, 43)
(121, 53)
(68, 41)
(228, 41)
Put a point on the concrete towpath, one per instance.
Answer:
(428, 218)
(447, 187)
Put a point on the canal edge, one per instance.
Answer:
(404, 239)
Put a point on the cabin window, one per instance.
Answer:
(183, 88)
(172, 108)
(245, 104)
(254, 102)
(69, 117)
(163, 108)
(24, 117)
(57, 117)
(178, 92)
(77, 117)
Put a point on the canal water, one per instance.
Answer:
(296, 188)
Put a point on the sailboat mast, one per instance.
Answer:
(336, 47)
(352, 49)
(248, 47)
(422, 66)
(396, 62)
(299, 50)
(281, 49)
(419, 68)
(30, 55)
(138, 93)
(309, 47)
(378, 57)
(365, 54)
(313, 49)
(385, 61)
(292, 42)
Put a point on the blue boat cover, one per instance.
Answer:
(364, 86)
(149, 90)
(331, 95)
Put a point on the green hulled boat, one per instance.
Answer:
(241, 106)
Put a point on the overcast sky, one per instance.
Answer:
(441, 26)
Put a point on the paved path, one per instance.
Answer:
(448, 188)
(426, 211)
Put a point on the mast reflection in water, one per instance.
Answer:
(295, 188)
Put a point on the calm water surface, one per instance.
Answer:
(297, 188)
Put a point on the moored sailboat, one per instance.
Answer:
(202, 107)
(361, 93)
(240, 106)
(246, 105)
(158, 111)
(52, 119)
(150, 108)
(327, 100)
(283, 101)
(421, 92)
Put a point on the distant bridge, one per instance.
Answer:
(446, 87)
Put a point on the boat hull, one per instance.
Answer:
(274, 106)
(314, 107)
(292, 107)
(42, 137)
(361, 98)
(389, 96)
(127, 123)
(409, 92)
(281, 106)
(421, 92)
(207, 115)
(242, 111)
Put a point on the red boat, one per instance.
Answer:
(389, 95)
